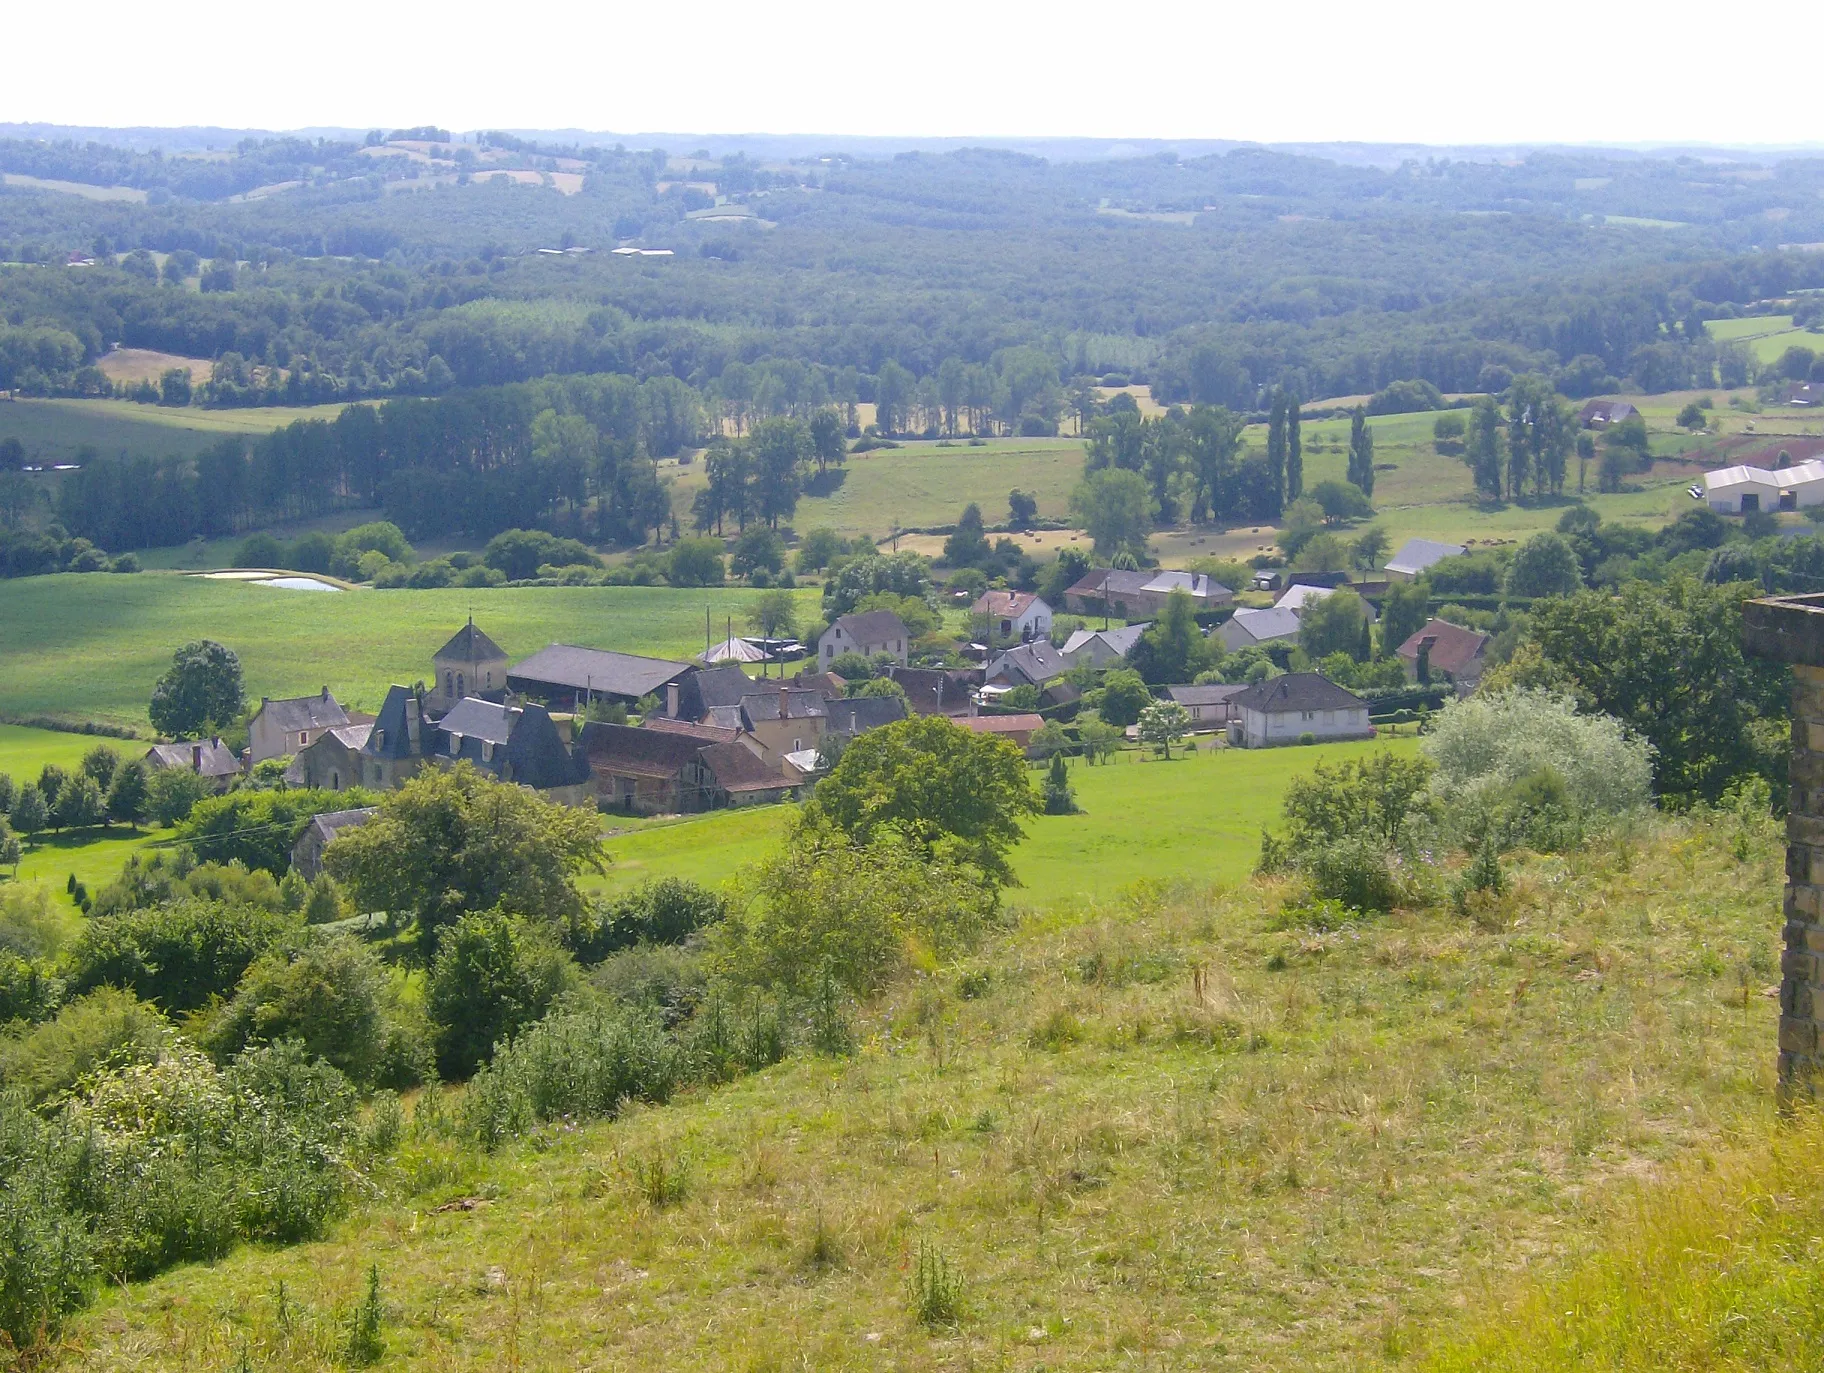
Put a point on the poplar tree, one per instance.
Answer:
(1295, 461)
(1361, 452)
(1276, 450)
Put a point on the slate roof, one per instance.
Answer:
(390, 737)
(474, 718)
(354, 737)
(469, 645)
(1454, 649)
(1247, 627)
(737, 768)
(934, 691)
(595, 669)
(690, 729)
(1037, 662)
(331, 823)
(859, 714)
(1109, 583)
(1296, 597)
(1215, 694)
(294, 714)
(1296, 691)
(1604, 412)
(1416, 555)
(719, 686)
(205, 757)
(760, 706)
(872, 627)
(828, 683)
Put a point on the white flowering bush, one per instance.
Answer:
(1525, 767)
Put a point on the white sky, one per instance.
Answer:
(1421, 71)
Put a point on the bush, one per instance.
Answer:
(178, 955)
(328, 995)
(695, 562)
(258, 828)
(577, 1065)
(260, 550)
(1353, 871)
(105, 1029)
(664, 911)
(46, 1259)
(492, 976)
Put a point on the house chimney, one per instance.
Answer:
(196, 757)
(411, 723)
(671, 700)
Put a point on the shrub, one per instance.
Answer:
(1353, 871)
(105, 1029)
(46, 1258)
(177, 955)
(585, 1063)
(329, 996)
(665, 911)
(667, 980)
(492, 976)
(695, 562)
(937, 1290)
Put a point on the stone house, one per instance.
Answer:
(649, 771)
(1013, 615)
(521, 744)
(1032, 664)
(1016, 729)
(289, 725)
(1448, 650)
(866, 633)
(307, 853)
(1100, 648)
(1131, 595)
(333, 762)
(209, 759)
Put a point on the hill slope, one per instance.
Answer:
(1175, 1130)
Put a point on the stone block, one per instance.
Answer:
(1798, 1036)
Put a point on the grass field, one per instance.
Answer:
(91, 647)
(921, 484)
(1766, 336)
(56, 430)
(1196, 818)
(1171, 1131)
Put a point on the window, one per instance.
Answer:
(303, 737)
(459, 691)
(1307, 714)
(490, 677)
(449, 683)
(335, 781)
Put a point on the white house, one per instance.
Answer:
(1246, 628)
(1100, 647)
(284, 727)
(1014, 614)
(1282, 710)
(1209, 707)
(868, 633)
(1417, 556)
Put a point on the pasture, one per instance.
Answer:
(1196, 818)
(57, 430)
(91, 647)
(1766, 336)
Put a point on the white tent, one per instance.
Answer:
(733, 650)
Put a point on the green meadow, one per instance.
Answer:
(57, 430)
(1197, 818)
(91, 647)
(1766, 336)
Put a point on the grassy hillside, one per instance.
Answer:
(1196, 818)
(1172, 1130)
(91, 648)
(56, 430)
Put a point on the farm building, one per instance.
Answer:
(1283, 710)
(649, 771)
(1804, 393)
(1740, 490)
(209, 759)
(1102, 647)
(1013, 614)
(567, 677)
(1109, 591)
(1600, 414)
(1210, 707)
(307, 853)
(280, 728)
(1248, 628)
(1445, 650)
(868, 633)
(1418, 556)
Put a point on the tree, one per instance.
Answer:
(100, 763)
(1332, 624)
(180, 954)
(1666, 660)
(31, 815)
(1692, 416)
(450, 842)
(328, 994)
(1361, 451)
(695, 562)
(1162, 723)
(818, 549)
(828, 445)
(955, 796)
(968, 545)
(1115, 509)
(760, 548)
(1404, 612)
(774, 615)
(80, 805)
(493, 976)
(1482, 453)
(172, 793)
(1544, 566)
(780, 447)
(1295, 461)
(201, 691)
(1341, 501)
(1123, 697)
(12, 852)
(1060, 796)
(1173, 648)
(1100, 740)
(1276, 448)
(1022, 509)
(127, 794)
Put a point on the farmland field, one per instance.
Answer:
(55, 430)
(1766, 336)
(91, 647)
(1213, 805)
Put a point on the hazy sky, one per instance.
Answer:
(1597, 71)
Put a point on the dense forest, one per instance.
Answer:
(975, 290)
